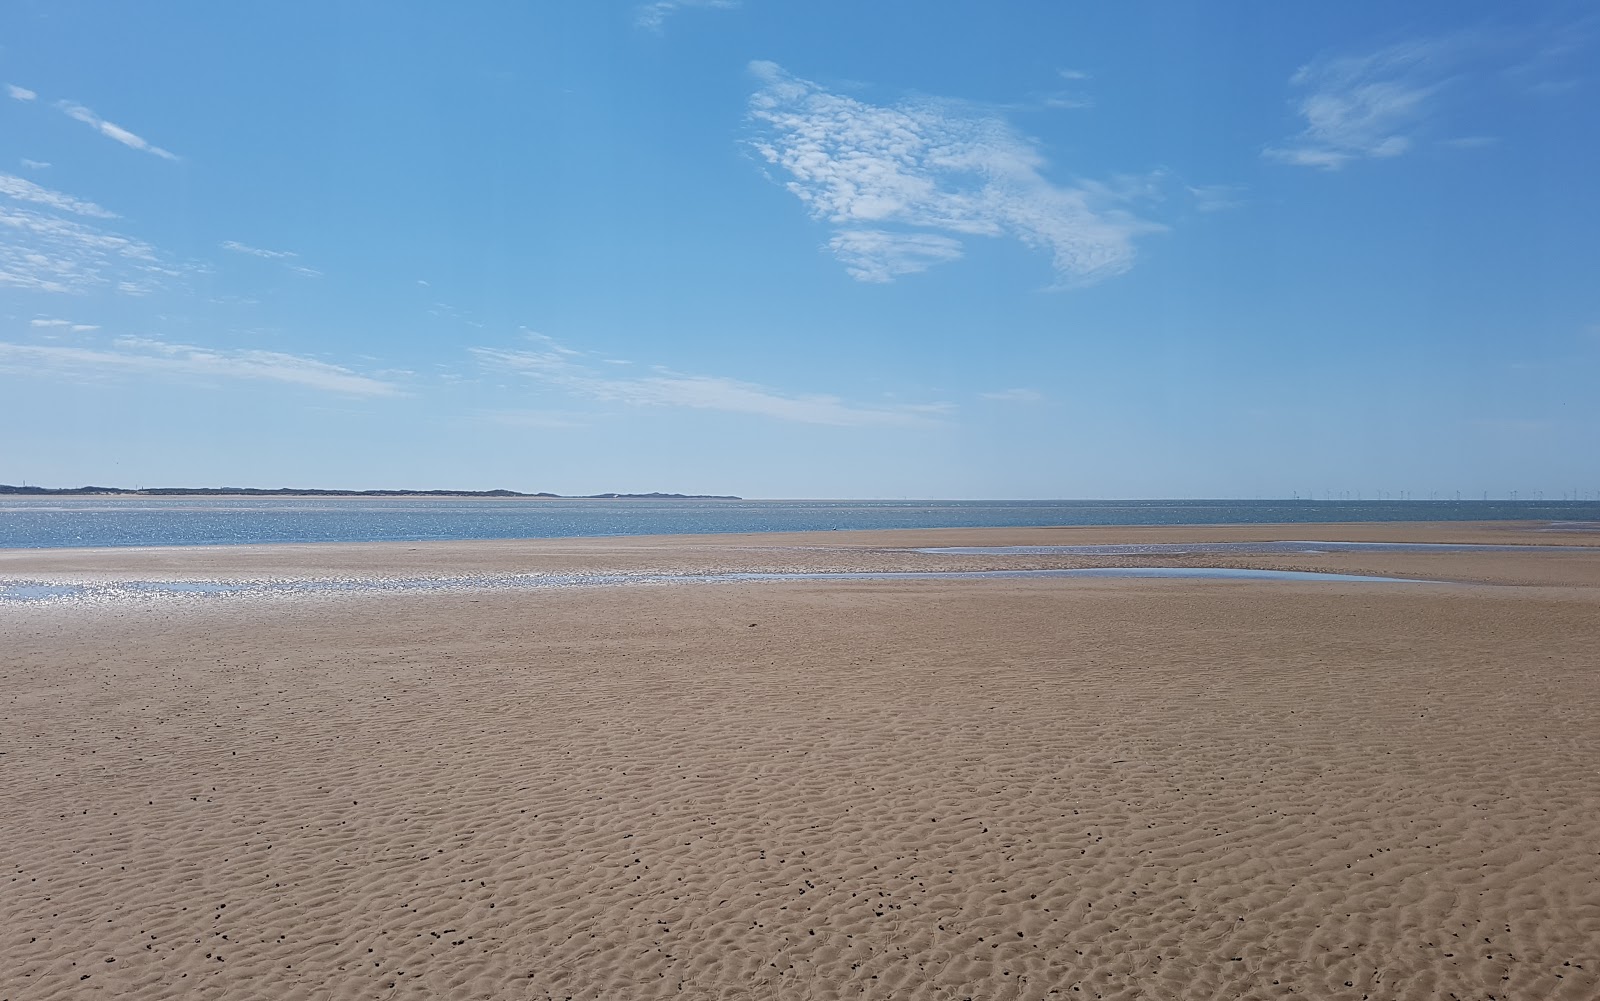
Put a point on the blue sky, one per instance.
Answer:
(819, 249)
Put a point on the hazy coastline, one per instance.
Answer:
(180, 493)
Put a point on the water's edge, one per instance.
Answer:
(29, 592)
(56, 522)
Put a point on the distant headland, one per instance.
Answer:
(7, 489)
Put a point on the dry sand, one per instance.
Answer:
(920, 789)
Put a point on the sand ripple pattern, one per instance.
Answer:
(991, 789)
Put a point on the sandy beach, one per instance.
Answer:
(850, 789)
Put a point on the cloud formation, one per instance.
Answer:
(272, 255)
(111, 130)
(1014, 396)
(1364, 106)
(653, 15)
(876, 255)
(556, 365)
(1071, 99)
(20, 93)
(23, 190)
(76, 328)
(134, 355)
(52, 254)
(49, 242)
(903, 186)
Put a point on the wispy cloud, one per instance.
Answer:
(653, 15)
(562, 368)
(446, 311)
(285, 256)
(20, 93)
(35, 164)
(52, 242)
(1069, 99)
(1065, 100)
(876, 255)
(111, 130)
(904, 185)
(132, 355)
(1215, 197)
(51, 324)
(23, 190)
(1554, 59)
(50, 252)
(1014, 395)
(1381, 104)
(1362, 106)
(271, 255)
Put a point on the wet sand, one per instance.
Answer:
(940, 789)
(835, 551)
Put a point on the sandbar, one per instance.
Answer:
(982, 788)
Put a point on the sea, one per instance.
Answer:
(59, 522)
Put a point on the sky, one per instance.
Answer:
(819, 249)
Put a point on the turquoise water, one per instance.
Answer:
(54, 522)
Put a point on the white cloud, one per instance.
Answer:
(903, 185)
(35, 164)
(445, 311)
(132, 355)
(1068, 101)
(111, 130)
(24, 190)
(20, 93)
(1215, 197)
(554, 365)
(1381, 103)
(1365, 106)
(1014, 396)
(76, 328)
(52, 253)
(653, 15)
(875, 255)
(272, 255)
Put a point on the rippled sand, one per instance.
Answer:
(930, 789)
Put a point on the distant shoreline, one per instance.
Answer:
(7, 490)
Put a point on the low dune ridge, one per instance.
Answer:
(918, 789)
